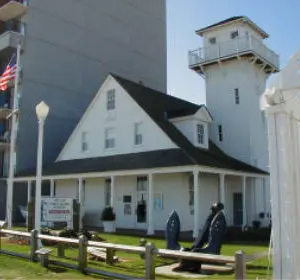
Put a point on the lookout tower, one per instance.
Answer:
(235, 63)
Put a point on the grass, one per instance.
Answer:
(133, 265)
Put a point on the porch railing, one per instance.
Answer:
(231, 48)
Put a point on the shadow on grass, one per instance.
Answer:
(57, 269)
(256, 267)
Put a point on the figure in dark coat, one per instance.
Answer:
(216, 232)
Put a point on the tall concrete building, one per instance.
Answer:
(67, 49)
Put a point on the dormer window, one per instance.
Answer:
(212, 40)
(111, 99)
(200, 134)
(234, 34)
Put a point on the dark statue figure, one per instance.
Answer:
(209, 240)
(172, 231)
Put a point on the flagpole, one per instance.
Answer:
(10, 181)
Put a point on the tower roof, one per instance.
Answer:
(231, 20)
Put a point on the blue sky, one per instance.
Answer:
(279, 18)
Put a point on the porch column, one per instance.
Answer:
(52, 185)
(29, 186)
(112, 191)
(150, 230)
(196, 202)
(222, 188)
(80, 200)
(244, 201)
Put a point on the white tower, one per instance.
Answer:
(235, 64)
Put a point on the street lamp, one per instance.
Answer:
(42, 110)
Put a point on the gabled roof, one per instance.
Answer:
(158, 106)
(233, 19)
(155, 104)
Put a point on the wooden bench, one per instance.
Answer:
(44, 256)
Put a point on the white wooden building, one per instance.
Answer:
(136, 143)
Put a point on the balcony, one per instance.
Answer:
(12, 9)
(10, 40)
(248, 47)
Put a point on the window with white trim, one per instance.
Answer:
(138, 136)
(111, 99)
(107, 191)
(237, 96)
(142, 183)
(234, 34)
(200, 134)
(220, 132)
(212, 40)
(110, 141)
(191, 194)
(84, 143)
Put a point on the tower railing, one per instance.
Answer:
(235, 47)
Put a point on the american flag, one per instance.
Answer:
(9, 73)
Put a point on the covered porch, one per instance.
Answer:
(190, 190)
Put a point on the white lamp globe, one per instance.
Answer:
(42, 110)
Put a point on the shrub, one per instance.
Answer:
(256, 224)
(69, 233)
(235, 234)
(108, 214)
(86, 233)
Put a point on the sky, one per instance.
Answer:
(279, 18)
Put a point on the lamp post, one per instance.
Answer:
(42, 111)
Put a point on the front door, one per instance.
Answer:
(237, 209)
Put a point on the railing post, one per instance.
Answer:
(240, 265)
(60, 250)
(82, 253)
(149, 261)
(33, 245)
(110, 253)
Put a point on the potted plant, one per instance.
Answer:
(108, 218)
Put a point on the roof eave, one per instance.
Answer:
(264, 34)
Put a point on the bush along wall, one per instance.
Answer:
(236, 234)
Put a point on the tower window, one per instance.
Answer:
(200, 133)
(212, 40)
(220, 131)
(237, 96)
(234, 34)
(111, 100)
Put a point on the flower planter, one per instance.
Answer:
(109, 226)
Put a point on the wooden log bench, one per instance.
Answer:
(43, 254)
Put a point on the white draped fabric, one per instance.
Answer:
(281, 102)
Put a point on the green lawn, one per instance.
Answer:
(132, 264)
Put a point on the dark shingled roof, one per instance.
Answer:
(159, 106)
(228, 20)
